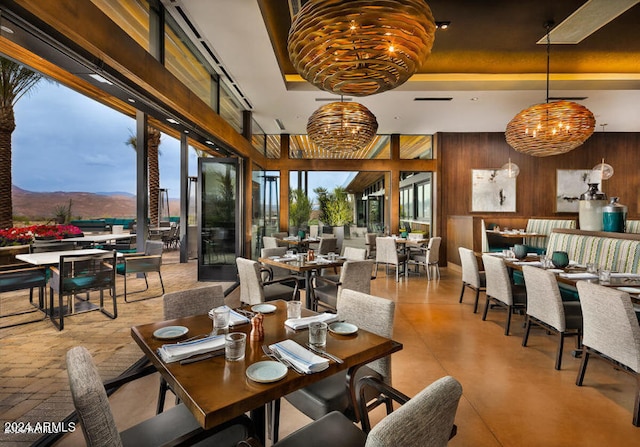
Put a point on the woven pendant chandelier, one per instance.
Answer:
(342, 126)
(550, 128)
(360, 47)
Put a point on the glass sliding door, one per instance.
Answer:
(220, 219)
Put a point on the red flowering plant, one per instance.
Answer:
(26, 235)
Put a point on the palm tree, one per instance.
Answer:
(15, 81)
(153, 151)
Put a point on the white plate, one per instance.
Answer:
(170, 332)
(266, 372)
(264, 308)
(343, 328)
(633, 290)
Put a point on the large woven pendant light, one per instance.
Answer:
(360, 47)
(342, 126)
(550, 128)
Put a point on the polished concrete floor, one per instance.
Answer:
(512, 395)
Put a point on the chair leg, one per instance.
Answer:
(525, 337)
(636, 407)
(583, 366)
(161, 395)
(560, 349)
(475, 306)
(462, 292)
(486, 308)
(508, 322)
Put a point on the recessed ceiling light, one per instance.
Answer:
(475, 98)
(172, 121)
(186, 131)
(131, 100)
(99, 78)
(209, 142)
(443, 25)
(6, 29)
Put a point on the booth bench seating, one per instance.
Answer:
(633, 226)
(546, 227)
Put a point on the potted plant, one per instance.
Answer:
(299, 211)
(338, 212)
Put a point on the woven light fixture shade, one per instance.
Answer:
(550, 128)
(360, 47)
(342, 126)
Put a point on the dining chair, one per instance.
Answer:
(370, 244)
(472, 277)
(368, 312)
(425, 420)
(271, 242)
(280, 235)
(610, 331)
(313, 231)
(147, 262)
(327, 245)
(387, 254)
(186, 303)
(22, 277)
(546, 309)
(428, 256)
(500, 289)
(354, 275)
(77, 274)
(98, 425)
(254, 290)
(348, 253)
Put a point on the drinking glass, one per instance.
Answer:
(294, 309)
(318, 334)
(592, 268)
(604, 275)
(220, 320)
(234, 346)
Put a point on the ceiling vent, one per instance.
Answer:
(279, 123)
(433, 99)
(334, 99)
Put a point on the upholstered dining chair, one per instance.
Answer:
(148, 262)
(354, 275)
(425, 420)
(22, 277)
(98, 424)
(500, 289)
(387, 254)
(348, 253)
(472, 277)
(610, 331)
(428, 256)
(254, 290)
(546, 309)
(327, 245)
(280, 235)
(370, 244)
(186, 303)
(271, 242)
(331, 394)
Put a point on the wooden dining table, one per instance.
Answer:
(216, 390)
(305, 267)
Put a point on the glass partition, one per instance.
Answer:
(415, 201)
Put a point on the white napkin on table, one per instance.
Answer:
(303, 323)
(180, 351)
(579, 275)
(625, 275)
(235, 318)
(299, 356)
(531, 263)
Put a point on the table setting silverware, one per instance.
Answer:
(324, 353)
(206, 356)
(278, 358)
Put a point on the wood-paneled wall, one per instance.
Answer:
(459, 153)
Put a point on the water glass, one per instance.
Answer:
(318, 334)
(221, 319)
(289, 254)
(592, 268)
(294, 309)
(234, 346)
(604, 275)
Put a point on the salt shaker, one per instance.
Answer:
(257, 329)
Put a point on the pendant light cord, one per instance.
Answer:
(548, 26)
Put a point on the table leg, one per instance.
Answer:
(308, 289)
(258, 417)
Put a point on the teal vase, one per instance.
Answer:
(520, 251)
(560, 259)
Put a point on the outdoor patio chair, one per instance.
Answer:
(99, 427)
(21, 277)
(78, 274)
(143, 263)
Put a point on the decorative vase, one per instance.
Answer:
(560, 259)
(301, 234)
(520, 251)
(590, 208)
(614, 216)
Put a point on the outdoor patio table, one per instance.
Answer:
(216, 390)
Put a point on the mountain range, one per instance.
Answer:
(84, 205)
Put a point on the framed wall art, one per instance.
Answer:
(570, 184)
(492, 191)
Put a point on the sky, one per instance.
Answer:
(65, 141)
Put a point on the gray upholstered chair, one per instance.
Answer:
(99, 428)
(77, 274)
(610, 331)
(270, 242)
(546, 309)
(313, 231)
(331, 394)
(185, 303)
(428, 256)
(280, 235)
(350, 254)
(355, 275)
(147, 262)
(387, 254)
(327, 245)
(472, 277)
(370, 244)
(500, 289)
(253, 290)
(425, 420)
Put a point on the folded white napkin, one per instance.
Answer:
(579, 275)
(531, 263)
(625, 275)
(300, 357)
(303, 323)
(555, 270)
(180, 351)
(235, 319)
